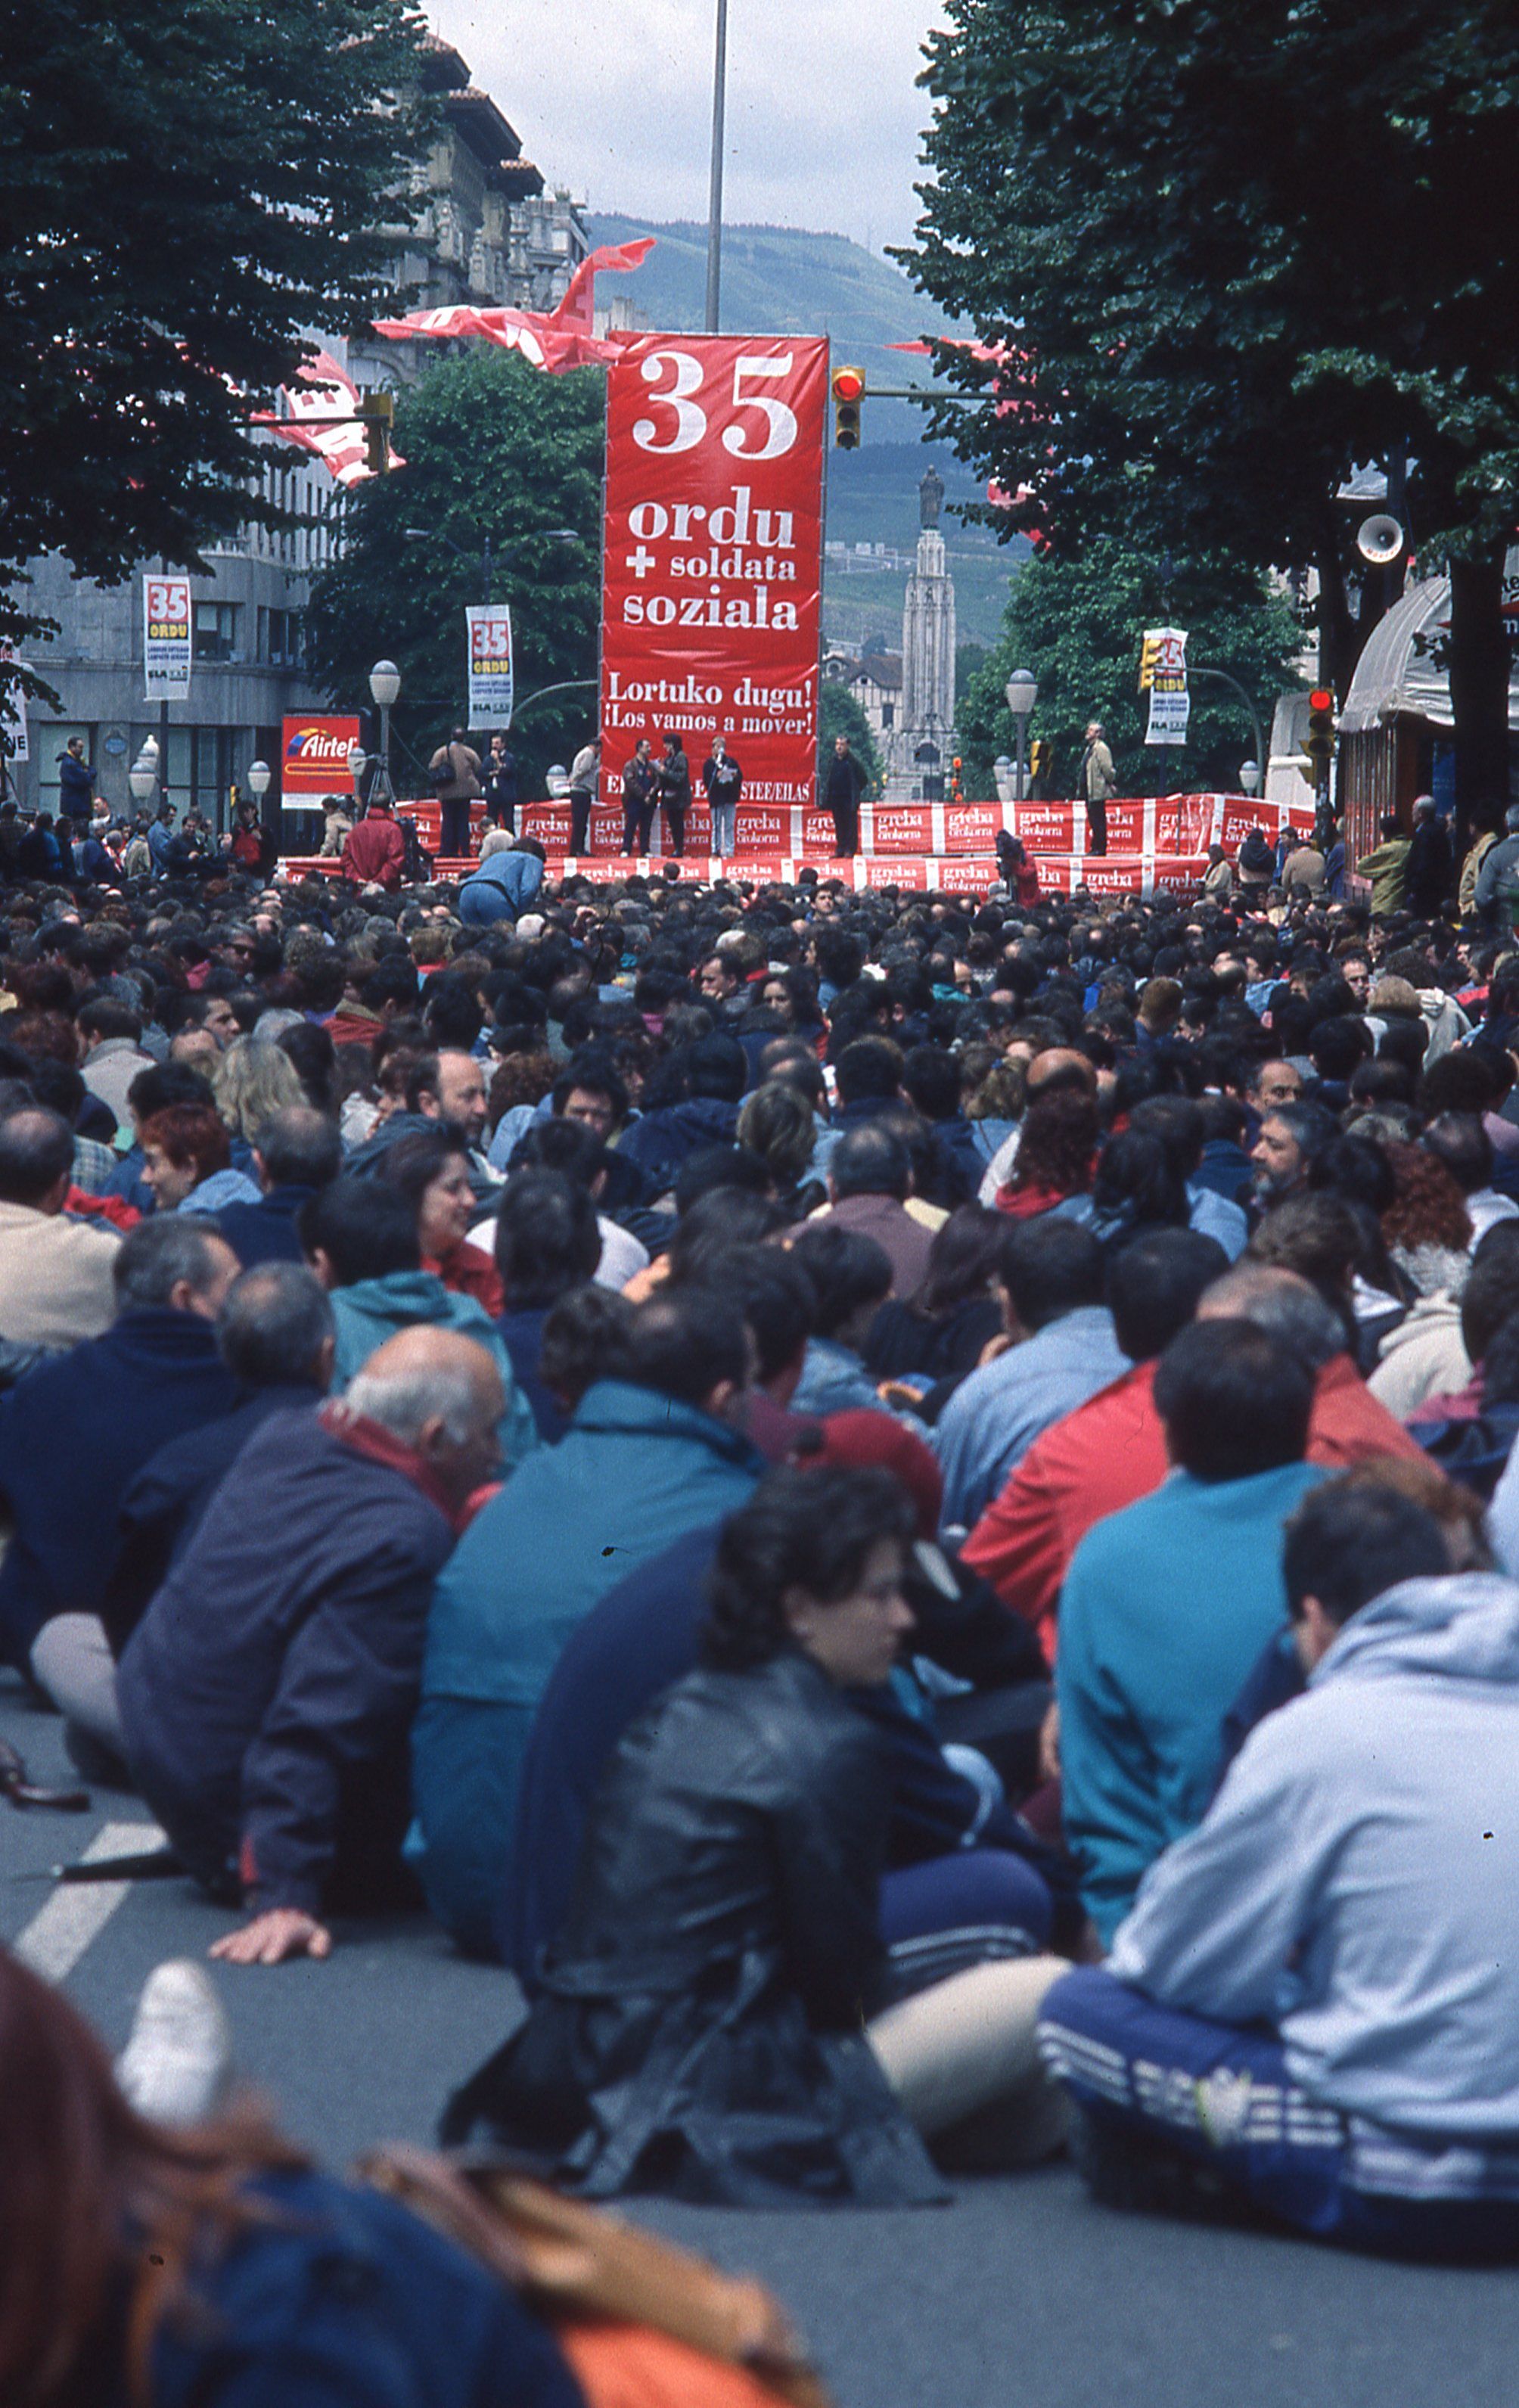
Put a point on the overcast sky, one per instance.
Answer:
(613, 97)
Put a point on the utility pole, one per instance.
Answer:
(714, 205)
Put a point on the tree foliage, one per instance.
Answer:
(1235, 249)
(840, 714)
(182, 191)
(1076, 626)
(493, 449)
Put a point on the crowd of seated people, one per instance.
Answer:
(906, 1505)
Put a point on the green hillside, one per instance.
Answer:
(783, 280)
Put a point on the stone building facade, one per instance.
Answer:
(490, 231)
(922, 744)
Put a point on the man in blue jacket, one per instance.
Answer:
(1168, 1605)
(266, 1693)
(74, 1432)
(647, 1456)
(508, 879)
(294, 1153)
(1314, 2005)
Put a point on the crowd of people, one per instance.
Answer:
(905, 1504)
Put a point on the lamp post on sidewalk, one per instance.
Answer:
(715, 201)
(384, 685)
(1022, 693)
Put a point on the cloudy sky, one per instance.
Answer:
(612, 97)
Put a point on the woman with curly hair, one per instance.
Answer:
(187, 1161)
(715, 2017)
(251, 1082)
(1426, 1227)
(1056, 1155)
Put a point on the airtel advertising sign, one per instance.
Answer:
(313, 755)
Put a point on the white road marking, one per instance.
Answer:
(60, 1932)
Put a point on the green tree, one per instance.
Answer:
(1235, 251)
(970, 660)
(492, 448)
(1076, 626)
(182, 192)
(840, 714)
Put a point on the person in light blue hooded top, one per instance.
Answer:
(360, 1237)
(1320, 1982)
(508, 879)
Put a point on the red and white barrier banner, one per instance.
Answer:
(712, 569)
(942, 874)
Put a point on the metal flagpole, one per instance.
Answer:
(714, 208)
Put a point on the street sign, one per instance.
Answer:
(488, 634)
(166, 641)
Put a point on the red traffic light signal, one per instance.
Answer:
(848, 393)
(1319, 744)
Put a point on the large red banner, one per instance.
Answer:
(713, 563)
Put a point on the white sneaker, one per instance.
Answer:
(176, 2066)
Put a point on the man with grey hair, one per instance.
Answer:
(1347, 1426)
(1497, 880)
(78, 1430)
(297, 1150)
(1429, 872)
(267, 1696)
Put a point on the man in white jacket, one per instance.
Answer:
(1312, 2009)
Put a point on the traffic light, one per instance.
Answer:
(1319, 744)
(1040, 760)
(376, 413)
(848, 393)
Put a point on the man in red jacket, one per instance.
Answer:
(374, 852)
(1111, 1451)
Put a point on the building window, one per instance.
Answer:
(282, 639)
(216, 631)
(888, 714)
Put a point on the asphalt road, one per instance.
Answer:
(1019, 2294)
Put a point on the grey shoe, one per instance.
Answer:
(176, 2066)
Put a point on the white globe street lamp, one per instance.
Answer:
(1250, 776)
(385, 684)
(143, 774)
(259, 775)
(1022, 693)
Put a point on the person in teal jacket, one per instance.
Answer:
(1168, 1605)
(649, 1455)
(360, 1237)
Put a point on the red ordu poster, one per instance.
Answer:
(713, 561)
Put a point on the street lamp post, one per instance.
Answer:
(1250, 778)
(1022, 693)
(257, 781)
(714, 203)
(384, 685)
(143, 777)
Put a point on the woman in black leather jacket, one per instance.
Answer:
(700, 2025)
